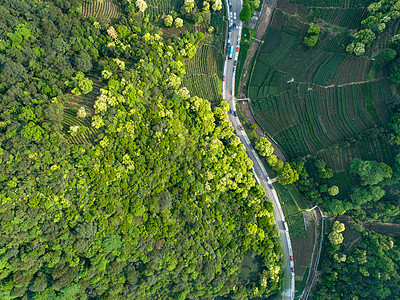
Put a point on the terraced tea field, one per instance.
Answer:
(203, 71)
(71, 106)
(309, 99)
(373, 146)
(102, 9)
(159, 8)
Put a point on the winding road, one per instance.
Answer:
(233, 39)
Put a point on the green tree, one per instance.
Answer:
(217, 5)
(385, 56)
(168, 20)
(246, 13)
(310, 41)
(264, 147)
(333, 190)
(287, 175)
(197, 18)
(32, 132)
(319, 164)
(338, 227)
(178, 22)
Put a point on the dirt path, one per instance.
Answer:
(267, 9)
(314, 273)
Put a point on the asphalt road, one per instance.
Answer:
(260, 173)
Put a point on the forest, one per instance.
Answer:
(115, 182)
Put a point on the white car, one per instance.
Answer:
(234, 15)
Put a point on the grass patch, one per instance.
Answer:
(293, 214)
(246, 42)
(300, 284)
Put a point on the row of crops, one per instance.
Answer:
(309, 118)
(70, 119)
(204, 86)
(203, 62)
(309, 99)
(333, 3)
(370, 147)
(72, 105)
(105, 9)
(203, 71)
(344, 17)
(158, 8)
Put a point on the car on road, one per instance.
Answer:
(237, 49)
(229, 29)
(223, 78)
(231, 111)
(241, 127)
(270, 186)
(291, 258)
(235, 63)
(251, 146)
(234, 15)
(234, 25)
(234, 69)
(292, 268)
(234, 131)
(235, 113)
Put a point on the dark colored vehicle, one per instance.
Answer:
(251, 146)
(231, 111)
(229, 29)
(270, 186)
(234, 25)
(228, 49)
(292, 268)
(235, 113)
(234, 131)
(234, 63)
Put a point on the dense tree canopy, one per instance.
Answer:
(160, 203)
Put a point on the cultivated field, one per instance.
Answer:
(204, 70)
(71, 106)
(159, 8)
(372, 146)
(102, 9)
(332, 97)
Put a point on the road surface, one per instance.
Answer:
(233, 39)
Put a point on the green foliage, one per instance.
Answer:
(247, 12)
(168, 20)
(264, 147)
(333, 190)
(311, 39)
(80, 84)
(164, 187)
(369, 269)
(288, 175)
(385, 56)
(371, 172)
